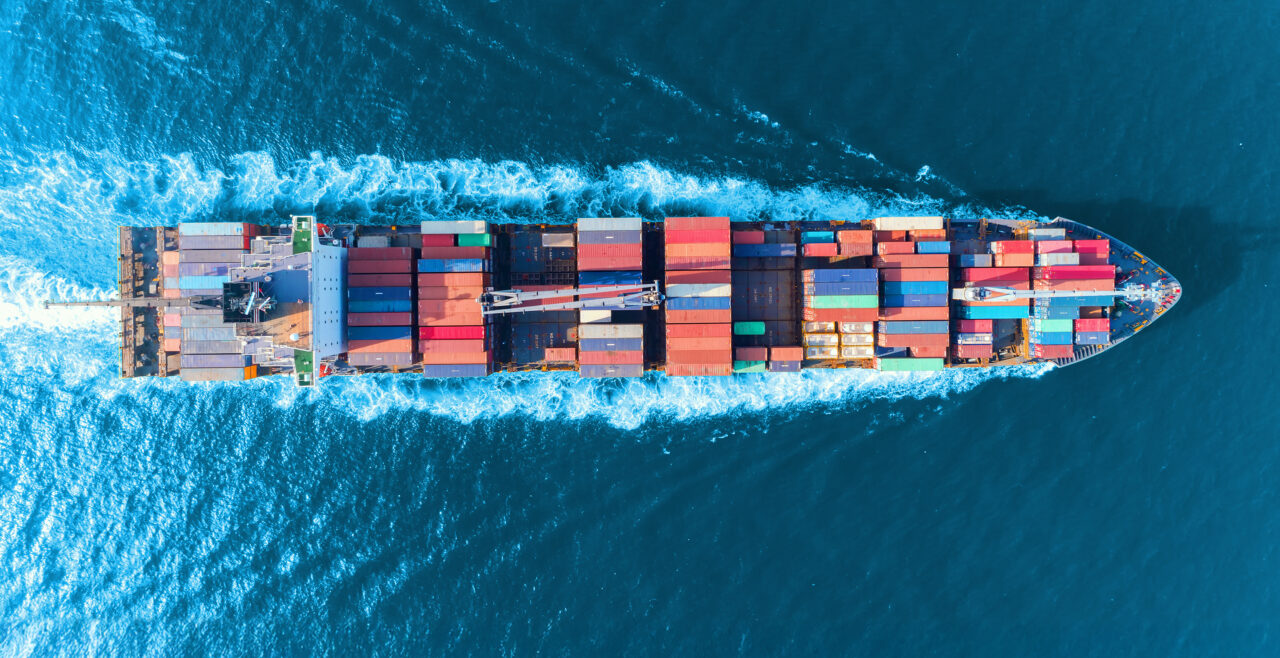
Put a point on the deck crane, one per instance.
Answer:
(630, 296)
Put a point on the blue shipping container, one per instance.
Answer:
(838, 276)
(199, 282)
(915, 287)
(462, 370)
(808, 237)
(933, 247)
(1093, 338)
(994, 312)
(611, 344)
(1077, 300)
(698, 303)
(906, 301)
(915, 327)
(631, 370)
(383, 306)
(1051, 337)
(764, 250)
(379, 333)
(379, 293)
(1056, 312)
(451, 265)
(975, 260)
(845, 288)
(608, 278)
(783, 366)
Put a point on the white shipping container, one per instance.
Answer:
(557, 240)
(374, 241)
(857, 328)
(973, 339)
(699, 290)
(857, 352)
(857, 339)
(907, 223)
(821, 352)
(610, 331)
(1058, 259)
(609, 224)
(819, 327)
(1047, 234)
(211, 228)
(455, 227)
(211, 374)
(821, 340)
(588, 316)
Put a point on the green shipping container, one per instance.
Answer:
(1051, 326)
(475, 240)
(749, 366)
(748, 328)
(910, 364)
(843, 301)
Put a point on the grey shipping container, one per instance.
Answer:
(631, 370)
(609, 237)
(380, 359)
(209, 333)
(215, 360)
(461, 370)
(611, 344)
(210, 256)
(783, 366)
(203, 269)
(211, 374)
(914, 327)
(211, 347)
(193, 321)
(608, 224)
(211, 242)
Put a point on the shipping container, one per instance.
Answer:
(696, 224)
(1046, 233)
(221, 334)
(699, 370)
(449, 265)
(379, 266)
(380, 253)
(1057, 259)
(912, 260)
(589, 315)
(609, 224)
(456, 358)
(449, 253)
(841, 314)
(852, 249)
(748, 237)
(201, 282)
(203, 269)
(910, 340)
(821, 250)
(974, 260)
(227, 256)
(790, 353)
(1051, 337)
(783, 366)
(889, 236)
(915, 274)
(380, 306)
(1044, 324)
(715, 343)
(620, 370)
(605, 263)
(699, 317)
(202, 320)
(173, 319)
(442, 293)
(778, 250)
(698, 277)
(437, 227)
(1053, 351)
(914, 327)
(819, 327)
(904, 247)
(379, 293)
(857, 327)
(1077, 284)
(857, 236)
(215, 361)
(452, 333)
(811, 237)
(455, 370)
(906, 364)
(215, 374)
(972, 351)
(754, 328)
(379, 280)
(702, 330)
(973, 339)
(611, 331)
(558, 240)
(846, 288)
(699, 356)
(237, 242)
(933, 247)
(475, 240)
(373, 241)
(451, 346)
(171, 258)
(915, 287)
(379, 332)
(1093, 324)
(927, 235)
(760, 354)
(698, 303)
(215, 228)
(211, 347)
(1014, 260)
(749, 366)
(821, 340)
(459, 279)
(380, 345)
(1011, 247)
(995, 312)
(857, 339)
(994, 274)
(611, 344)
(974, 326)
(386, 359)
(857, 352)
(699, 290)
(907, 223)
(841, 301)
(439, 240)
(892, 301)
(592, 358)
(694, 237)
(379, 319)
(560, 354)
(622, 252)
(1093, 338)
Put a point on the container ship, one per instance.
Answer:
(615, 297)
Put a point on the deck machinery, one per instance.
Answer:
(220, 301)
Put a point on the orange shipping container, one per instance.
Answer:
(928, 234)
(820, 250)
(1014, 260)
(559, 354)
(450, 346)
(455, 358)
(700, 316)
(786, 354)
(449, 292)
(700, 250)
(915, 313)
(391, 345)
(453, 279)
(173, 344)
(840, 314)
(699, 370)
(915, 274)
(698, 276)
(889, 236)
(699, 330)
(169, 258)
(896, 248)
(912, 260)
(700, 356)
(691, 344)
(696, 223)
(854, 237)
(610, 358)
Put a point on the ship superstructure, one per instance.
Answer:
(616, 297)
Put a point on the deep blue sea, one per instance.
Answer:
(1127, 506)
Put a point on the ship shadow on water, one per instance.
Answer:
(1203, 253)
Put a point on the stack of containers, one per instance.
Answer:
(1093, 252)
(819, 244)
(453, 271)
(699, 304)
(170, 271)
(542, 261)
(1093, 331)
(914, 279)
(1056, 252)
(1014, 278)
(750, 359)
(172, 331)
(1053, 328)
(857, 340)
(380, 325)
(924, 338)
(973, 339)
(764, 285)
(210, 349)
(207, 252)
(854, 243)
(610, 253)
(785, 359)
(1013, 253)
(832, 299)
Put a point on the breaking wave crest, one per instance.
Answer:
(59, 212)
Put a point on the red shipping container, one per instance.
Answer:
(1053, 351)
(696, 224)
(700, 356)
(392, 345)
(820, 250)
(437, 240)
(697, 237)
(1013, 260)
(455, 252)
(449, 319)
(751, 354)
(840, 314)
(1100, 258)
(626, 251)
(915, 274)
(694, 263)
(896, 248)
(559, 354)
(1093, 246)
(456, 358)
(452, 333)
(701, 250)
(699, 370)
(972, 351)
(889, 236)
(1060, 272)
(1093, 324)
(853, 237)
(698, 276)
(379, 319)
(1013, 247)
(912, 260)
(748, 237)
(379, 253)
(379, 266)
(610, 358)
(699, 330)
(453, 279)
(449, 292)
(931, 352)
(379, 280)
(708, 316)
(994, 274)
(916, 313)
(852, 249)
(450, 346)
(927, 234)
(609, 264)
(694, 344)
(1053, 246)
(786, 354)
(911, 340)
(1079, 284)
(974, 326)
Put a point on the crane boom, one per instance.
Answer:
(634, 295)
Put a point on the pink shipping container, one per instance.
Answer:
(1053, 246)
(171, 293)
(560, 354)
(388, 345)
(915, 274)
(1093, 324)
(701, 249)
(379, 266)
(171, 270)
(912, 340)
(751, 354)
(974, 326)
(699, 330)
(1093, 246)
(698, 276)
(915, 313)
(896, 248)
(912, 260)
(1079, 284)
(379, 280)
(452, 333)
(437, 240)
(821, 250)
(450, 346)
(700, 316)
(1013, 247)
(930, 351)
(379, 319)
(455, 358)
(748, 237)
(696, 223)
(173, 319)
(972, 351)
(994, 274)
(610, 358)
(608, 263)
(1053, 351)
(590, 251)
(694, 344)
(842, 314)
(379, 253)
(717, 236)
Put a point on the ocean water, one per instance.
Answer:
(1124, 506)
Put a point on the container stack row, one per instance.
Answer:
(206, 253)
(835, 299)
(453, 271)
(380, 319)
(1059, 323)
(913, 256)
(210, 349)
(544, 262)
(973, 340)
(610, 254)
(1013, 278)
(764, 285)
(699, 299)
